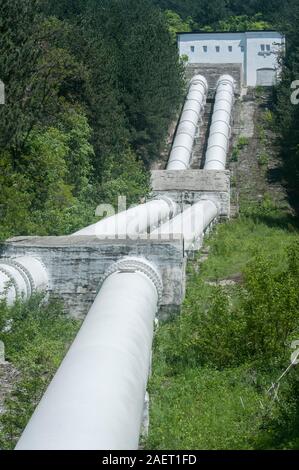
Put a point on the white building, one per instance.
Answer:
(256, 51)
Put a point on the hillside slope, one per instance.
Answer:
(214, 364)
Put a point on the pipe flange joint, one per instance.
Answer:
(12, 280)
(25, 273)
(172, 205)
(135, 264)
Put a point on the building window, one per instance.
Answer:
(205, 48)
(263, 47)
(192, 48)
(230, 48)
(268, 47)
(217, 48)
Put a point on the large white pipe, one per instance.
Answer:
(220, 129)
(193, 109)
(20, 277)
(135, 221)
(96, 399)
(190, 224)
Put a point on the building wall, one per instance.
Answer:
(258, 59)
(253, 50)
(224, 40)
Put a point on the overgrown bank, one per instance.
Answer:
(213, 365)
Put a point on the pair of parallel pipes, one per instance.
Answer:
(16, 278)
(190, 118)
(192, 223)
(95, 400)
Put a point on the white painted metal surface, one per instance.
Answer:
(20, 277)
(220, 129)
(191, 224)
(135, 221)
(96, 399)
(193, 109)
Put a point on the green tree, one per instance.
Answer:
(287, 113)
(243, 23)
(176, 24)
(149, 73)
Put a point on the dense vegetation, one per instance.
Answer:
(36, 337)
(214, 364)
(287, 110)
(222, 15)
(88, 105)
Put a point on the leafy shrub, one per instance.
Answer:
(243, 142)
(268, 117)
(250, 322)
(261, 134)
(235, 154)
(271, 305)
(263, 159)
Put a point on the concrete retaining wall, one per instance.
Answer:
(189, 186)
(76, 264)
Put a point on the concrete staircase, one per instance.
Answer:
(201, 140)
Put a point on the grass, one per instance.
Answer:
(204, 409)
(36, 338)
(236, 243)
(204, 393)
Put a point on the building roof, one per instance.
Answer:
(231, 32)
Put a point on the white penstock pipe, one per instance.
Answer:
(20, 277)
(190, 224)
(180, 155)
(96, 399)
(135, 221)
(220, 129)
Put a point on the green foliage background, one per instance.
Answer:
(91, 88)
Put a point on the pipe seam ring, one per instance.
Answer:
(188, 120)
(141, 265)
(184, 133)
(220, 133)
